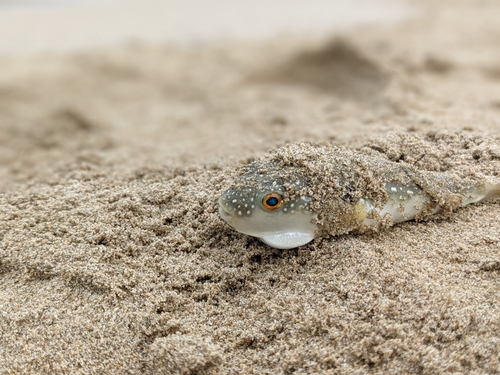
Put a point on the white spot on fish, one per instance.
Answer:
(239, 213)
(394, 189)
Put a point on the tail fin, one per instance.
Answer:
(476, 194)
(492, 191)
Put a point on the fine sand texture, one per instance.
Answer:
(113, 259)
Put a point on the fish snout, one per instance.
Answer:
(224, 211)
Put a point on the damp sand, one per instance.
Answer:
(113, 259)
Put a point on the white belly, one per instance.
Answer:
(404, 203)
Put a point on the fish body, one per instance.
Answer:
(302, 191)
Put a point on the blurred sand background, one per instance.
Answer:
(65, 25)
(120, 126)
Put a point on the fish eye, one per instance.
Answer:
(272, 201)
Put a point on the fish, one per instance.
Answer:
(303, 191)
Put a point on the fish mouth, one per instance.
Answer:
(223, 212)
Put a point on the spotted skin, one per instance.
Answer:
(246, 201)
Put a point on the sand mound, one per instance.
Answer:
(337, 68)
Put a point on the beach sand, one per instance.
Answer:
(113, 259)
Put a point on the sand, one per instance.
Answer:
(113, 259)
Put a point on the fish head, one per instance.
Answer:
(263, 209)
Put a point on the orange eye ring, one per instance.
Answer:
(272, 201)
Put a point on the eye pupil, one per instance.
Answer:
(273, 201)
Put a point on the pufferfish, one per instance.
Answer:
(302, 191)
